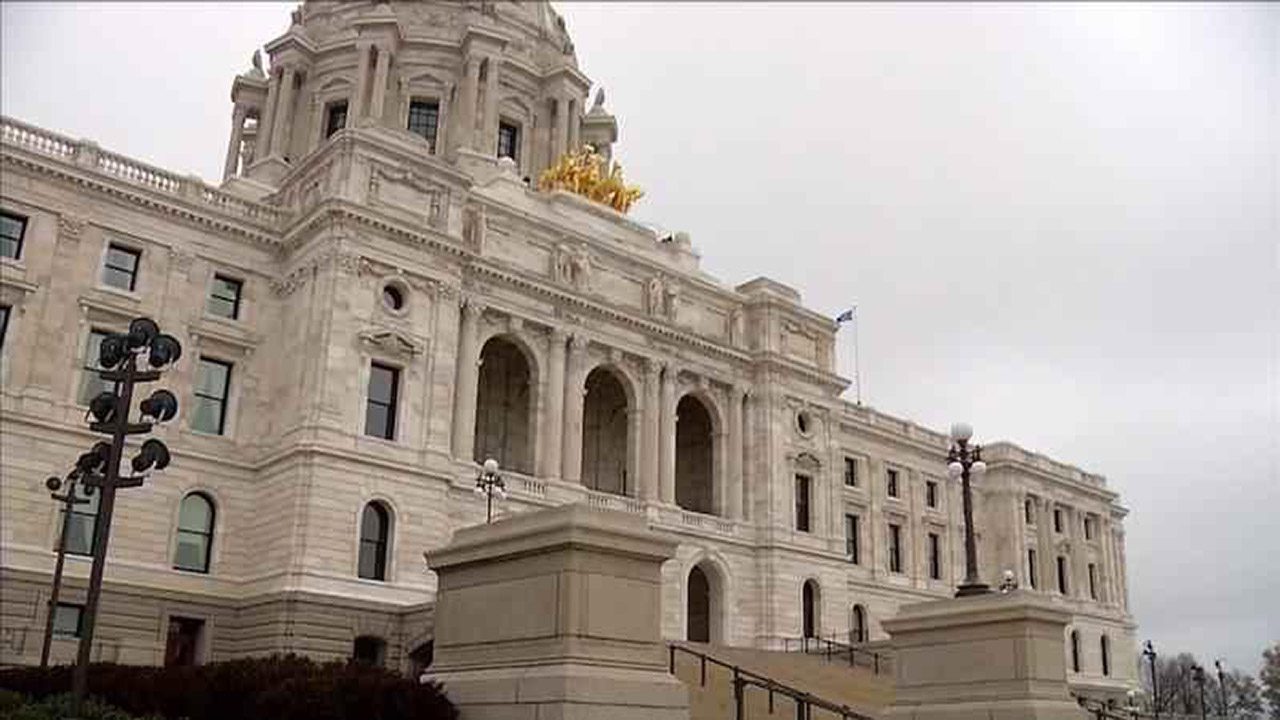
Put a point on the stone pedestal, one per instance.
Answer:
(986, 657)
(555, 614)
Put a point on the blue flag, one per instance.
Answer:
(845, 316)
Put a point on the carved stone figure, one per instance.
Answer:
(598, 104)
(562, 265)
(474, 225)
(580, 267)
(736, 327)
(257, 65)
(653, 297)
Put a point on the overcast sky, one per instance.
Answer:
(1058, 222)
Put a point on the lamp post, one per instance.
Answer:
(118, 356)
(1149, 652)
(1132, 697)
(69, 501)
(1222, 689)
(963, 461)
(1197, 674)
(488, 484)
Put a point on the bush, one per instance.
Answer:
(15, 706)
(286, 687)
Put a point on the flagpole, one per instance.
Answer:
(857, 359)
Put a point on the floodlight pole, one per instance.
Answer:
(69, 501)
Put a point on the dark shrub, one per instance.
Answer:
(285, 687)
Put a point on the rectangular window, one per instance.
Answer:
(182, 647)
(891, 482)
(424, 120)
(380, 411)
(850, 472)
(1032, 568)
(335, 118)
(12, 229)
(68, 620)
(852, 530)
(1093, 581)
(895, 548)
(1029, 511)
(935, 557)
(1057, 520)
(83, 526)
(1088, 527)
(213, 380)
(92, 383)
(509, 141)
(802, 503)
(931, 494)
(4, 324)
(1062, 575)
(120, 269)
(224, 298)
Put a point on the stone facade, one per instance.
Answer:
(588, 354)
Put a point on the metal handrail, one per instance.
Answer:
(1101, 711)
(834, 649)
(805, 702)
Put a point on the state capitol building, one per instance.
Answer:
(376, 298)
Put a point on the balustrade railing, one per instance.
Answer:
(835, 651)
(609, 501)
(89, 156)
(804, 703)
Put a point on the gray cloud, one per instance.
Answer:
(1058, 221)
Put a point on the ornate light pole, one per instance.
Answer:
(1222, 689)
(965, 460)
(1149, 652)
(488, 484)
(69, 501)
(119, 356)
(1197, 674)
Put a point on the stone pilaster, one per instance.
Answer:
(268, 120)
(465, 112)
(574, 392)
(362, 80)
(284, 114)
(464, 404)
(649, 431)
(489, 123)
(734, 456)
(378, 97)
(560, 131)
(667, 436)
(553, 421)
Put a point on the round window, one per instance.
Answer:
(393, 297)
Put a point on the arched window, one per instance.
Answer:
(698, 607)
(809, 608)
(1075, 651)
(1106, 655)
(195, 533)
(375, 532)
(369, 650)
(694, 456)
(504, 407)
(604, 434)
(858, 625)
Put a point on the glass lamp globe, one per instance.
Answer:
(954, 470)
(978, 469)
(491, 466)
(961, 432)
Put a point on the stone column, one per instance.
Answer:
(553, 422)
(378, 98)
(464, 404)
(489, 124)
(284, 114)
(362, 81)
(266, 123)
(233, 147)
(649, 432)
(466, 109)
(667, 437)
(560, 132)
(573, 396)
(575, 123)
(734, 455)
(1046, 553)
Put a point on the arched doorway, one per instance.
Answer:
(604, 434)
(809, 609)
(858, 625)
(698, 623)
(504, 423)
(695, 463)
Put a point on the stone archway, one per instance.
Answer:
(695, 456)
(698, 607)
(504, 417)
(809, 604)
(604, 434)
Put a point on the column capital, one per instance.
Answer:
(652, 367)
(558, 335)
(471, 305)
(578, 342)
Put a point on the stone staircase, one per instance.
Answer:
(806, 686)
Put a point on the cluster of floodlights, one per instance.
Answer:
(489, 484)
(124, 359)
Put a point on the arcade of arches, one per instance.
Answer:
(597, 429)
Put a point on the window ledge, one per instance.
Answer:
(130, 295)
(222, 330)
